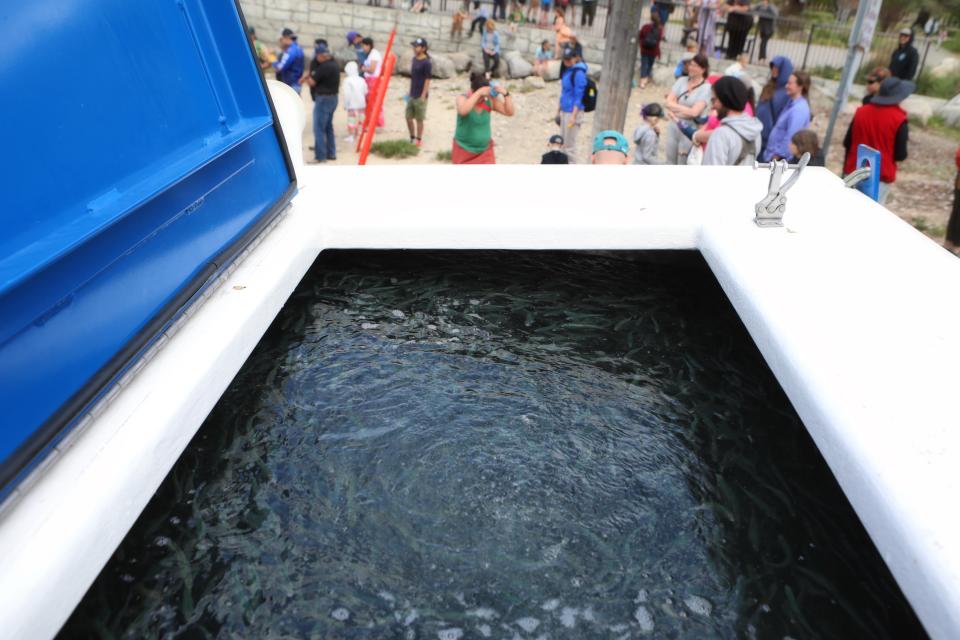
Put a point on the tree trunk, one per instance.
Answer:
(619, 61)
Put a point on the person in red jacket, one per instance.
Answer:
(649, 41)
(881, 124)
(953, 227)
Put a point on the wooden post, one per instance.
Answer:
(619, 62)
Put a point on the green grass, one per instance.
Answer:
(826, 71)
(936, 125)
(394, 149)
(953, 42)
(944, 87)
(444, 156)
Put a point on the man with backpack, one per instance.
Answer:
(649, 39)
(737, 140)
(576, 96)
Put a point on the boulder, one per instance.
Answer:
(345, 55)
(946, 67)
(517, 67)
(443, 66)
(461, 61)
(663, 75)
(552, 72)
(533, 83)
(950, 112)
(922, 107)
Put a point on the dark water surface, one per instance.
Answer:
(494, 444)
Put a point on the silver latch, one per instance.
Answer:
(770, 210)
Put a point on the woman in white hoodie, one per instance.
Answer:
(354, 99)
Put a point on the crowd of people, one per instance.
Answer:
(705, 118)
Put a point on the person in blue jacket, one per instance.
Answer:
(773, 97)
(290, 65)
(794, 117)
(573, 84)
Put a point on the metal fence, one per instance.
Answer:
(818, 47)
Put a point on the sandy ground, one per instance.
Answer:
(922, 194)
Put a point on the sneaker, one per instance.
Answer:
(419, 142)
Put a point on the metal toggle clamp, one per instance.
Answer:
(769, 211)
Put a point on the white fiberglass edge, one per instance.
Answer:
(854, 311)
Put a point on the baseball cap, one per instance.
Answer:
(321, 48)
(600, 142)
(906, 32)
(419, 42)
(288, 33)
(569, 52)
(556, 139)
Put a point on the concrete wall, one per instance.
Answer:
(332, 20)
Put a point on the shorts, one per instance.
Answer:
(416, 109)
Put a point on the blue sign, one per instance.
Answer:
(868, 156)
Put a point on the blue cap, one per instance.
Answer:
(321, 48)
(600, 142)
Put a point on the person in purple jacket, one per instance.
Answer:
(794, 117)
(773, 97)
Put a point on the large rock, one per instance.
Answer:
(950, 112)
(461, 61)
(443, 66)
(947, 66)
(345, 55)
(663, 75)
(922, 107)
(552, 71)
(533, 82)
(517, 67)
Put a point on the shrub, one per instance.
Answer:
(444, 156)
(943, 87)
(394, 149)
(826, 71)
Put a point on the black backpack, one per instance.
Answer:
(652, 39)
(589, 93)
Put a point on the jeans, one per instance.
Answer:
(646, 65)
(570, 133)
(490, 63)
(763, 46)
(588, 12)
(324, 140)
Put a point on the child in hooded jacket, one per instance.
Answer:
(354, 99)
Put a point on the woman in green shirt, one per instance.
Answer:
(472, 143)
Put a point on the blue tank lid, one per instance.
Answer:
(142, 153)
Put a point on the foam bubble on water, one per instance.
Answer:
(459, 598)
(161, 541)
(386, 595)
(340, 614)
(409, 634)
(698, 605)
(411, 617)
(588, 615)
(550, 605)
(642, 596)
(432, 327)
(644, 618)
(528, 624)
(568, 617)
(453, 633)
(474, 301)
(485, 630)
(483, 613)
(618, 628)
(765, 608)
(369, 325)
(396, 313)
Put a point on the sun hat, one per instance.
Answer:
(600, 142)
(893, 91)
